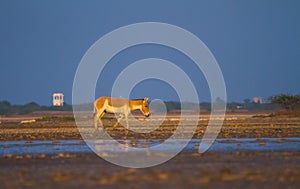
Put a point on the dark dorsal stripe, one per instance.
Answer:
(138, 99)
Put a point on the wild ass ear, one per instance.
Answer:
(146, 99)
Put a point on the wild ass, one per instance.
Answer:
(121, 106)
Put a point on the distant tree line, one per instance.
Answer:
(7, 108)
(276, 102)
(286, 101)
(230, 106)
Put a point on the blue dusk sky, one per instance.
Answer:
(256, 44)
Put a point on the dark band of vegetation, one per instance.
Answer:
(7, 108)
(276, 102)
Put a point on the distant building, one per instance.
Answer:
(58, 99)
(257, 100)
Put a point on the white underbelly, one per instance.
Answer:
(122, 109)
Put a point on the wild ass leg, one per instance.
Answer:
(127, 122)
(118, 121)
(96, 121)
(97, 118)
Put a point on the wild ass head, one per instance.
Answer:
(145, 107)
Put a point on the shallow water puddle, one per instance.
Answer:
(79, 146)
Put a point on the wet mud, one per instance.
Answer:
(213, 169)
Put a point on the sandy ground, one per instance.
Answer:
(187, 170)
(233, 127)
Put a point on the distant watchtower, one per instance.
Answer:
(257, 100)
(58, 99)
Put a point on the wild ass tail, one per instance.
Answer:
(95, 111)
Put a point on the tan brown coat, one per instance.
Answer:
(121, 106)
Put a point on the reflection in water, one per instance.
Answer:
(142, 145)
